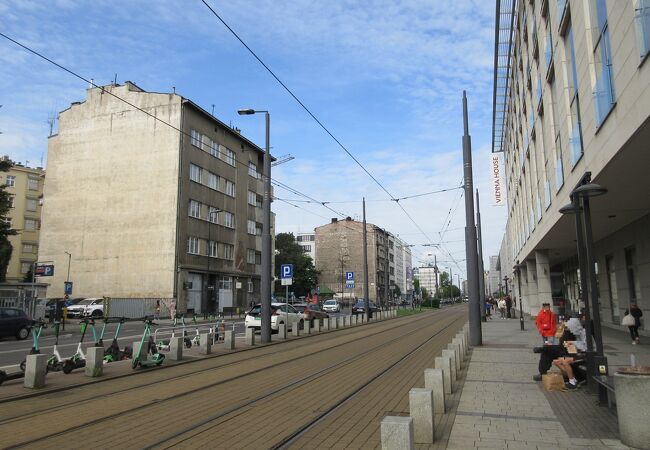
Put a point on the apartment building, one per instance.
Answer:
(308, 243)
(147, 211)
(25, 186)
(427, 276)
(572, 90)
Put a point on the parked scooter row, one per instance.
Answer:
(188, 342)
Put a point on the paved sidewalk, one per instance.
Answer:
(502, 407)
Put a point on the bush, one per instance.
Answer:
(431, 303)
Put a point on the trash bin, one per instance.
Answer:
(632, 389)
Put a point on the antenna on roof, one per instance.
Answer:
(51, 119)
(213, 109)
(115, 80)
(174, 89)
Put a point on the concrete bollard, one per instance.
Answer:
(461, 338)
(397, 433)
(346, 321)
(632, 397)
(229, 340)
(421, 411)
(434, 380)
(205, 343)
(317, 326)
(175, 348)
(461, 345)
(94, 362)
(452, 357)
(282, 331)
(444, 363)
(295, 329)
(364, 318)
(340, 322)
(35, 370)
(326, 324)
(250, 336)
(456, 348)
(307, 328)
(333, 323)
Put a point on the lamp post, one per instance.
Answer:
(505, 279)
(67, 278)
(521, 300)
(266, 278)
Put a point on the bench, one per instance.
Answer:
(605, 382)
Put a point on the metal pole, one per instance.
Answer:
(595, 304)
(582, 266)
(435, 272)
(451, 285)
(481, 269)
(67, 279)
(521, 300)
(365, 259)
(286, 327)
(266, 275)
(470, 236)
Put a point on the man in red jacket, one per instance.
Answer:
(546, 323)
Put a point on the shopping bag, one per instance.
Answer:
(628, 321)
(553, 381)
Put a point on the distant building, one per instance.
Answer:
(427, 277)
(494, 276)
(25, 187)
(148, 212)
(308, 243)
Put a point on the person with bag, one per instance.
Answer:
(546, 323)
(632, 320)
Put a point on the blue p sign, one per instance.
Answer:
(349, 276)
(286, 271)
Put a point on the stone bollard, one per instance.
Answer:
(317, 326)
(434, 380)
(452, 357)
(326, 324)
(444, 363)
(340, 322)
(307, 328)
(632, 400)
(282, 331)
(250, 336)
(346, 321)
(333, 323)
(175, 348)
(94, 362)
(205, 343)
(456, 349)
(461, 337)
(229, 340)
(397, 433)
(461, 344)
(295, 329)
(421, 411)
(35, 370)
(364, 318)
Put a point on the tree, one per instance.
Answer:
(29, 276)
(397, 292)
(288, 251)
(5, 227)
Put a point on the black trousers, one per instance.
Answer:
(547, 355)
(634, 332)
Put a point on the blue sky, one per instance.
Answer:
(386, 77)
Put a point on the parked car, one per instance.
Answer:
(311, 312)
(50, 306)
(332, 306)
(278, 316)
(15, 322)
(360, 307)
(88, 307)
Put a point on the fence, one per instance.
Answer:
(35, 307)
(136, 307)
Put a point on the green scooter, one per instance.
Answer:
(147, 345)
(113, 351)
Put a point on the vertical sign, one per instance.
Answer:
(497, 186)
(286, 274)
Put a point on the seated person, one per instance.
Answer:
(550, 353)
(573, 348)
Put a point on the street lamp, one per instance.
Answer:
(506, 280)
(517, 272)
(265, 290)
(67, 279)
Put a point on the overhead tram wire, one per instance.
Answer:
(308, 111)
(91, 82)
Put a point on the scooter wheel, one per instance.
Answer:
(68, 367)
(23, 364)
(3, 375)
(135, 363)
(188, 344)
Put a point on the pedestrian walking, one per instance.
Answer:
(632, 320)
(546, 323)
(488, 308)
(156, 314)
(508, 306)
(502, 308)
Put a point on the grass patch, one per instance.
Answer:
(410, 312)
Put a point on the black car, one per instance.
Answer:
(14, 322)
(360, 307)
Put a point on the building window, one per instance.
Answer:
(252, 198)
(11, 181)
(251, 227)
(575, 138)
(213, 181)
(252, 169)
(31, 224)
(196, 138)
(230, 188)
(604, 90)
(214, 149)
(225, 283)
(213, 214)
(25, 267)
(228, 251)
(250, 286)
(633, 281)
(12, 199)
(28, 248)
(32, 184)
(31, 204)
(642, 24)
(195, 209)
(228, 155)
(228, 219)
(212, 249)
(250, 256)
(306, 248)
(610, 268)
(193, 245)
(258, 229)
(195, 173)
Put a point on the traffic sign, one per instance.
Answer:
(44, 270)
(287, 281)
(286, 271)
(349, 276)
(349, 284)
(67, 287)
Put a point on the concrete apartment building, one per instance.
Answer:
(572, 90)
(146, 211)
(25, 186)
(308, 243)
(494, 276)
(427, 277)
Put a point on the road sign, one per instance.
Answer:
(44, 270)
(349, 284)
(349, 276)
(67, 287)
(286, 271)
(287, 281)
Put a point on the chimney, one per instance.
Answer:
(334, 220)
(348, 219)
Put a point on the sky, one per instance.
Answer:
(384, 77)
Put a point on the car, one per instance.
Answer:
(332, 306)
(88, 307)
(15, 322)
(278, 316)
(311, 312)
(360, 307)
(50, 306)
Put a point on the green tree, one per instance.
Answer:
(397, 292)
(5, 227)
(305, 275)
(29, 276)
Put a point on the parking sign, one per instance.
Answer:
(286, 271)
(349, 276)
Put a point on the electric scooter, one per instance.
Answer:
(186, 339)
(196, 340)
(163, 344)
(77, 360)
(55, 362)
(147, 345)
(113, 352)
(36, 334)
